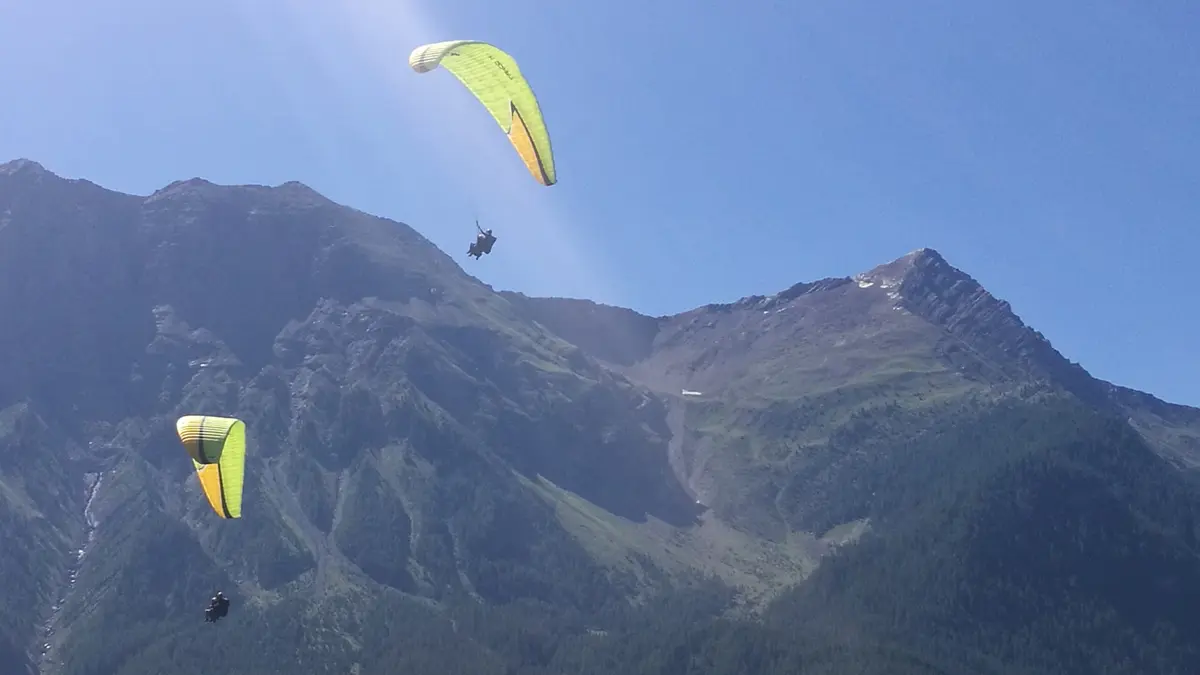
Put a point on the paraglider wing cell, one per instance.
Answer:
(217, 446)
(494, 78)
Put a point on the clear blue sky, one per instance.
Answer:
(706, 150)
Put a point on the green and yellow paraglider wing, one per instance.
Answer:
(217, 446)
(494, 78)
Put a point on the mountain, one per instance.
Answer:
(405, 422)
(884, 473)
(777, 375)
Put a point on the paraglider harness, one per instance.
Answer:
(217, 609)
(483, 243)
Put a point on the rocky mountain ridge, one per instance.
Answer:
(981, 336)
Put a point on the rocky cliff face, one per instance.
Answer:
(399, 413)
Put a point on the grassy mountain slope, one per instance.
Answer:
(1026, 535)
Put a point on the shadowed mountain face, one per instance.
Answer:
(441, 477)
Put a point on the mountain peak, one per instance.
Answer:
(180, 188)
(298, 192)
(924, 283)
(22, 165)
(922, 262)
(297, 187)
(294, 192)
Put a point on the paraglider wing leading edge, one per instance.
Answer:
(494, 78)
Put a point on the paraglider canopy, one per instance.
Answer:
(217, 446)
(494, 78)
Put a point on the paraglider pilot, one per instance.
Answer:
(483, 243)
(218, 608)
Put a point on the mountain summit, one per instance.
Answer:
(21, 165)
(441, 478)
(926, 285)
